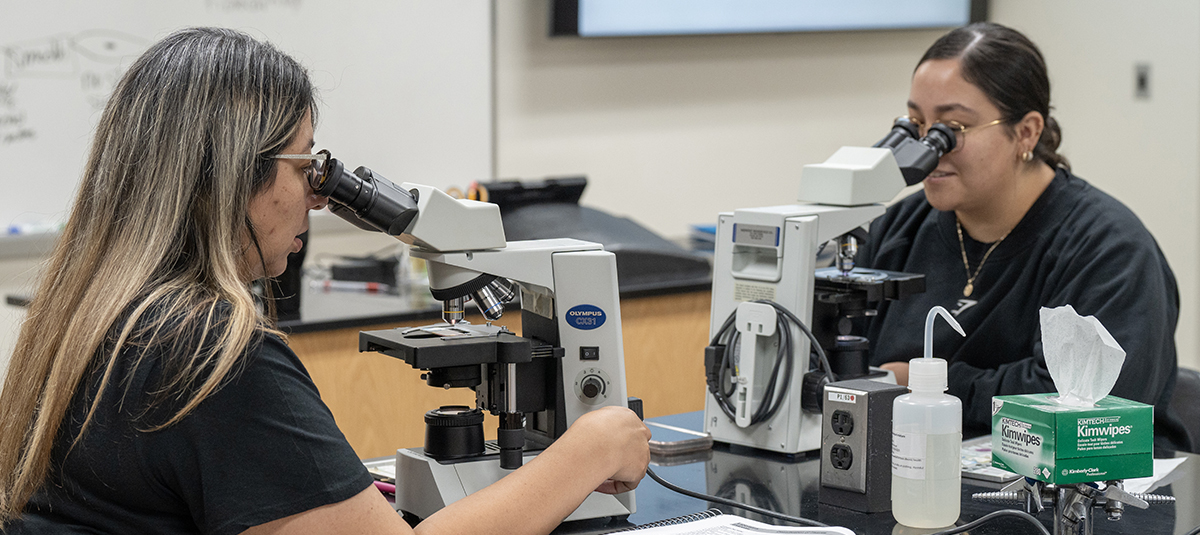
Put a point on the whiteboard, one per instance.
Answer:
(405, 86)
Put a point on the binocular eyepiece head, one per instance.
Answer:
(939, 138)
(917, 156)
(365, 199)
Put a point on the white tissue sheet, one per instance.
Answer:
(1083, 358)
(1165, 473)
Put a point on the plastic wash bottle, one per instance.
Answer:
(927, 442)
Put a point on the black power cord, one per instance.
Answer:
(731, 503)
(721, 367)
(996, 514)
(806, 522)
(725, 387)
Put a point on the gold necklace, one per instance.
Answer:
(970, 287)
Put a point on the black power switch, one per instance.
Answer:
(589, 353)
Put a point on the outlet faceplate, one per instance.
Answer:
(856, 444)
(842, 441)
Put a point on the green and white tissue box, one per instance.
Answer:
(1036, 437)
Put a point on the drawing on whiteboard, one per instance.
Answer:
(90, 61)
(108, 46)
(253, 5)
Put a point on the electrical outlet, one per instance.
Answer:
(843, 443)
(856, 444)
(841, 457)
(842, 423)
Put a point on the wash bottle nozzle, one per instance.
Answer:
(929, 374)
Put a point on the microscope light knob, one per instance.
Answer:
(592, 386)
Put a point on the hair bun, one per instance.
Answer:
(1051, 135)
(1047, 146)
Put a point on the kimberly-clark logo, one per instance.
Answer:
(585, 317)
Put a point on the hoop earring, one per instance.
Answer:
(1027, 156)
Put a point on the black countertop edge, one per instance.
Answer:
(297, 326)
(667, 288)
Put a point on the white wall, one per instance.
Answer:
(704, 123)
(1143, 152)
(673, 130)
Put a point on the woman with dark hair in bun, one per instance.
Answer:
(1003, 228)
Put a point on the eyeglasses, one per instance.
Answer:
(960, 131)
(315, 173)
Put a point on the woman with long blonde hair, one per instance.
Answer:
(149, 394)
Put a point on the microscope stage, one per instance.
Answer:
(425, 349)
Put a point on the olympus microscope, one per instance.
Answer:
(770, 302)
(568, 360)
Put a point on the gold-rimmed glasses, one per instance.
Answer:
(315, 173)
(960, 131)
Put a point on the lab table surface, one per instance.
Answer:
(792, 486)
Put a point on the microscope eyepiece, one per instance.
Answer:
(917, 157)
(365, 199)
(902, 128)
(940, 138)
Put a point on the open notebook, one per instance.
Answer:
(712, 522)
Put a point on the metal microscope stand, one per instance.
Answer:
(1073, 504)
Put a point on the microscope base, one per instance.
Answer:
(423, 486)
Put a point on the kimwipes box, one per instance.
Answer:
(1035, 436)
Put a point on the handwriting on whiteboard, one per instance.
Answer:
(84, 65)
(253, 5)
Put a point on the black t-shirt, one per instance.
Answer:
(261, 448)
(1077, 246)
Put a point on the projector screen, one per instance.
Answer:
(626, 18)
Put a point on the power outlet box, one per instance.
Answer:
(856, 444)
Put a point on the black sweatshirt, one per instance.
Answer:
(261, 448)
(1077, 246)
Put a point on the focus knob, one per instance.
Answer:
(592, 386)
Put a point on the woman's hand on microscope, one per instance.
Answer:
(622, 440)
(605, 450)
